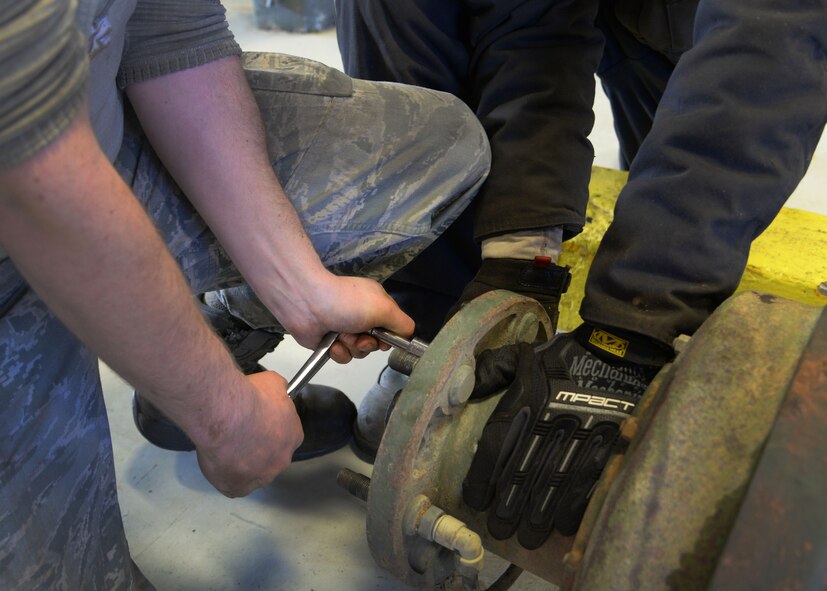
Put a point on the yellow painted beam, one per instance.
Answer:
(789, 259)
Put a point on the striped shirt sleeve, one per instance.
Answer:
(44, 73)
(165, 36)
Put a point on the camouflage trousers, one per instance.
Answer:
(376, 172)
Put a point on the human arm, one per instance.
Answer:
(78, 236)
(531, 76)
(61, 218)
(527, 70)
(218, 155)
(732, 137)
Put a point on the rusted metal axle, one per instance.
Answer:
(730, 440)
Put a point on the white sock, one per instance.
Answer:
(525, 245)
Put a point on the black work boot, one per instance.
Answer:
(327, 417)
(326, 413)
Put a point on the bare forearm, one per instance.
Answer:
(217, 153)
(206, 127)
(83, 242)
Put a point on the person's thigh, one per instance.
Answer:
(60, 524)
(190, 241)
(376, 170)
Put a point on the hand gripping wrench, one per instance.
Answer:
(320, 356)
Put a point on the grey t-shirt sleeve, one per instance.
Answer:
(45, 69)
(166, 36)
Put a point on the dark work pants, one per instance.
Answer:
(422, 43)
(633, 77)
(431, 283)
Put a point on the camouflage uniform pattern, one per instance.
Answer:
(60, 525)
(376, 172)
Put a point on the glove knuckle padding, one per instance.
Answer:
(506, 428)
(495, 370)
(544, 446)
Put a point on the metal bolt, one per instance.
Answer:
(417, 507)
(629, 428)
(462, 384)
(402, 361)
(680, 343)
(354, 483)
(822, 288)
(526, 328)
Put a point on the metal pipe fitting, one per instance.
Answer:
(432, 523)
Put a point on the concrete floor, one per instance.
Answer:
(302, 533)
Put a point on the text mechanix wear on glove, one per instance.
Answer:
(546, 443)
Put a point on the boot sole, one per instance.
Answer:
(362, 448)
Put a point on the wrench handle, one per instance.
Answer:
(312, 365)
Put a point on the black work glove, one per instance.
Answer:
(539, 279)
(544, 446)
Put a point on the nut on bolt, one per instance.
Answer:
(462, 384)
(526, 328)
